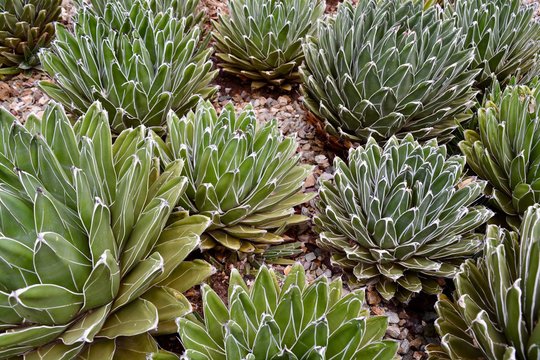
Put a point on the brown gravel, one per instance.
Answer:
(21, 96)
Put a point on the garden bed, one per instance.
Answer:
(410, 324)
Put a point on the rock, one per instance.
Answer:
(310, 181)
(327, 176)
(283, 100)
(403, 334)
(393, 318)
(404, 347)
(393, 331)
(373, 298)
(310, 257)
(328, 273)
(321, 159)
(377, 310)
(270, 102)
(416, 343)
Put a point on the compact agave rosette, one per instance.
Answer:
(504, 36)
(244, 176)
(180, 8)
(293, 321)
(91, 253)
(383, 68)
(261, 40)
(495, 312)
(137, 63)
(506, 149)
(25, 27)
(400, 216)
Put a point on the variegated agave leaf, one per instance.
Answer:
(505, 39)
(245, 177)
(295, 321)
(90, 260)
(506, 150)
(153, 64)
(400, 216)
(261, 40)
(383, 68)
(25, 27)
(181, 8)
(495, 315)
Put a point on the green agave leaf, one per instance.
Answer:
(136, 318)
(55, 351)
(57, 261)
(84, 329)
(46, 304)
(100, 349)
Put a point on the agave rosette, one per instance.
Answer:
(245, 177)
(137, 63)
(91, 253)
(504, 36)
(400, 216)
(495, 312)
(506, 149)
(384, 68)
(181, 8)
(293, 321)
(25, 27)
(261, 40)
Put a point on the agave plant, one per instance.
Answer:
(401, 216)
(244, 177)
(495, 315)
(506, 151)
(25, 27)
(180, 8)
(505, 39)
(153, 64)
(295, 321)
(384, 68)
(261, 40)
(91, 253)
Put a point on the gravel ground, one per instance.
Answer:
(411, 325)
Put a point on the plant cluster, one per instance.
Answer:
(25, 27)
(112, 199)
(295, 321)
(262, 40)
(92, 250)
(495, 312)
(400, 216)
(388, 68)
(244, 177)
(138, 63)
(506, 150)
